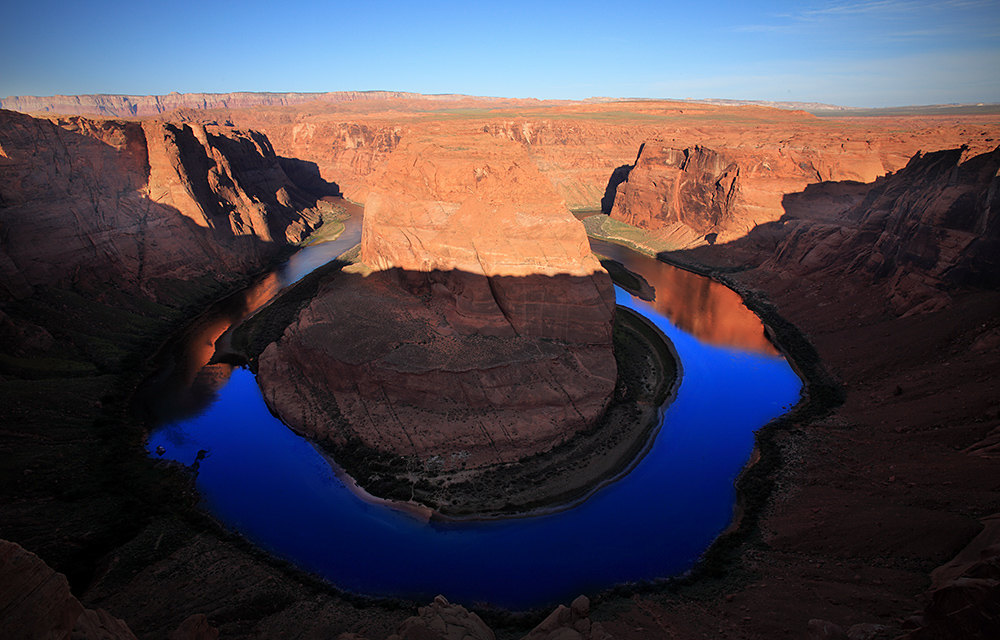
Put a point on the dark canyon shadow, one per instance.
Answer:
(618, 176)
(96, 275)
(446, 376)
(306, 176)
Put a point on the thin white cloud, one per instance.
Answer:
(895, 6)
(912, 19)
(766, 28)
(879, 6)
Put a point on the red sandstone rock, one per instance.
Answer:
(35, 602)
(681, 194)
(480, 207)
(405, 380)
(699, 195)
(442, 620)
(485, 337)
(569, 623)
(349, 135)
(929, 228)
(90, 203)
(577, 146)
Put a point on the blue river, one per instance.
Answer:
(276, 489)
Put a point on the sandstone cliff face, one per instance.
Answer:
(488, 212)
(698, 195)
(94, 204)
(684, 194)
(930, 228)
(350, 151)
(484, 333)
(35, 602)
(576, 146)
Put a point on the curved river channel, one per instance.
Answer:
(276, 489)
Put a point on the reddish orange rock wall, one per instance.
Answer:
(484, 334)
(92, 202)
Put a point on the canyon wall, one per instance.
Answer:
(36, 602)
(110, 228)
(576, 145)
(929, 229)
(100, 203)
(698, 195)
(480, 331)
(776, 153)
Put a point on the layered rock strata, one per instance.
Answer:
(35, 602)
(94, 203)
(123, 106)
(697, 195)
(931, 228)
(483, 334)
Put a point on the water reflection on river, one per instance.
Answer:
(709, 311)
(185, 383)
(275, 488)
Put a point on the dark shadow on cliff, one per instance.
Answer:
(933, 224)
(306, 176)
(509, 366)
(818, 203)
(94, 281)
(618, 176)
(75, 483)
(847, 260)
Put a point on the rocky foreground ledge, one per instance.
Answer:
(36, 602)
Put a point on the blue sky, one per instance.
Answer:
(854, 52)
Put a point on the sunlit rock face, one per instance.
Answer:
(694, 195)
(483, 333)
(488, 212)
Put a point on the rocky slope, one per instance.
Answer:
(931, 228)
(91, 204)
(35, 602)
(111, 233)
(483, 334)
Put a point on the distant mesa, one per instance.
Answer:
(126, 106)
